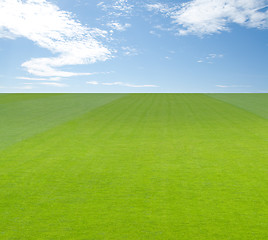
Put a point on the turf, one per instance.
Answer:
(256, 103)
(136, 166)
(24, 115)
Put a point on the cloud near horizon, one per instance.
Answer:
(120, 84)
(233, 86)
(52, 84)
(58, 31)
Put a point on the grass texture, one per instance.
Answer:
(133, 166)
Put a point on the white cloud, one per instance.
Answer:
(130, 51)
(210, 58)
(159, 7)
(49, 27)
(47, 84)
(202, 17)
(120, 84)
(118, 26)
(122, 5)
(127, 85)
(4, 33)
(53, 84)
(39, 79)
(54, 79)
(117, 7)
(92, 82)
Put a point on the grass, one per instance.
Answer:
(136, 166)
(24, 115)
(256, 103)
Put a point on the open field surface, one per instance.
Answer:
(256, 103)
(134, 166)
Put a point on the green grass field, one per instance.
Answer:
(134, 166)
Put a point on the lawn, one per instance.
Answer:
(134, 166)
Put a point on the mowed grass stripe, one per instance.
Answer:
(256, 103)
(23, 115)
(18, 97)
(146, 166)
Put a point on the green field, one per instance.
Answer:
(134, 166)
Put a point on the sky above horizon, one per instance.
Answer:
(134, 46)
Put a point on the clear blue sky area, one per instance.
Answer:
(133, 46)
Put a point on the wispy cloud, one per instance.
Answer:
(121, 84)
(39, 79)
(93, 82)
(233, 86)
(58, 31)
(210, 58)
(201, 17)
(53, 84)
(155, 33)
(116, 7)
(160, 7)
(130, 51)
(162, 28)
(118, 26)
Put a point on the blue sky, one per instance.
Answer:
(133, 46)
